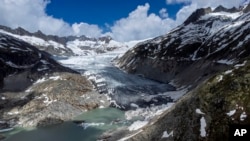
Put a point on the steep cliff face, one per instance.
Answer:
(198, 48)
(22, 64)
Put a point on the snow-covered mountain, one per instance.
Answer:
(22, 63)
(208, 41)
(65, 46)
(209, 53)
(209, 50)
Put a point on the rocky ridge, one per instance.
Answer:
(211, 43)
(64, 46)
(209, 53)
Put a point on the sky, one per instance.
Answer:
(122, 20)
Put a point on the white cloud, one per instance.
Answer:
(163, 13)
(140, 25)
(83, 28)
(31, 15)
(206, 3)
(192, 5)
(215, 3)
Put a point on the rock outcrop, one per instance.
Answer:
(50, 100)
(197, 15)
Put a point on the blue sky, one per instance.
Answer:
(123, 20)
(103, 12)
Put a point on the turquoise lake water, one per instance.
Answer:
(100, 120)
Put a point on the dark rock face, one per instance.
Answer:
(218, 103)
(223, 9)
(247, 9)
(21, 64)
(197, 14)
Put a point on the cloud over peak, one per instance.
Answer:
(139, 24)
(31, 15)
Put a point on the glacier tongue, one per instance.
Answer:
(121, 88)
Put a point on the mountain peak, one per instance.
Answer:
(197, 14)
(247, 8)
(220, 8)
(21, 31)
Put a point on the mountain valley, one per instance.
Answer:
(190, 84)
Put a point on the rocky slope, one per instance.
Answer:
(52, 99)
(210, 52)
(207, 42)
(206, 112)
(21, 64)
(35, 90)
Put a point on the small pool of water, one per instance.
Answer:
(97, 122)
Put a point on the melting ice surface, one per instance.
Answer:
(125, 89)
(122, 87)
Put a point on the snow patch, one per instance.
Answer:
(55, 78)
(220, 78)
(230, 113)
(243, 116)
(13, 113)
(224, 61)
(198, 111)
(35, 40)
(175, 95)
(147, 113)
(126, 138)
(228, 71)
(17, 66)
(137, 125)
(226, 14)
(166, 135)
(47, 100)
(39, 81)
(42, 68)
(202, 127)
(101, 107)
(240, 65)
(134, 105)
